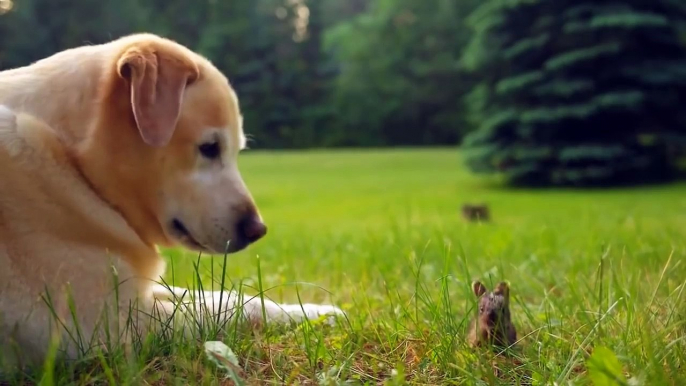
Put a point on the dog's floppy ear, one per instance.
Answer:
(157, 82)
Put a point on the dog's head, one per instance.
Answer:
(172, 137)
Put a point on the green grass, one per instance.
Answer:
(380, 234)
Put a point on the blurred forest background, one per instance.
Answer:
(546, 92)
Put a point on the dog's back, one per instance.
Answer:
(38, 265)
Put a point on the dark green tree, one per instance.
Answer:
(271, 52)
(578, 92)
(5, 8)
(389, 75)
(183, 21)
(239, 41)
(400, 74)
(34, 29)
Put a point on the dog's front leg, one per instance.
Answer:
(226, 304)
(257, 309)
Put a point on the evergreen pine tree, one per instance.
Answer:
(578, 92)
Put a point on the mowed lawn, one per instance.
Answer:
(379, 233)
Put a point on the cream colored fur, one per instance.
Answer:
(98, 155)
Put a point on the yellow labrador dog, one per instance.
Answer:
(106, 152)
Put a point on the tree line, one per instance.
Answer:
(309, 73)
(546, 92)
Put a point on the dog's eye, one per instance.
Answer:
(210, 150)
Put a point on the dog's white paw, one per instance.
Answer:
(300, 312)
(314, 311)
(226, 304)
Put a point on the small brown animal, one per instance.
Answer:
(493, 325)
(475, 212)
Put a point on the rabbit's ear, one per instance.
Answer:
(478, 288)
(503, 288)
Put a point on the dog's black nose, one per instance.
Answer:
(251, 228)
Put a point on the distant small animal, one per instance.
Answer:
(479, 212)
(493, 324)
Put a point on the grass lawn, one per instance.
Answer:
(380, 234)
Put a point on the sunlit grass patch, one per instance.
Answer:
(379, 233)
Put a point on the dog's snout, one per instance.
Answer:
(251, 228)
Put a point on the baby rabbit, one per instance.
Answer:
(476, 212)
(493, 325)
